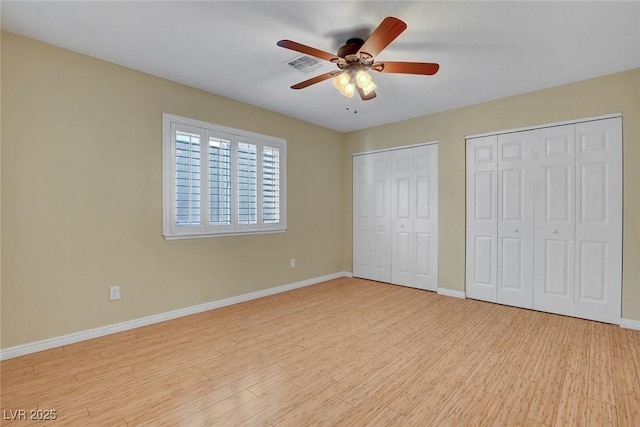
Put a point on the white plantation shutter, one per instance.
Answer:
(270, 185)
(187, 178)
(221, 181)
(247, 183)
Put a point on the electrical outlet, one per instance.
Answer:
(114, 293)
(293, 263)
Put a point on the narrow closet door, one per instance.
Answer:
(554, 220)
(414, 217)
(598, 235)
(515, 219)
(425, 224)
(481, 264)
(371, 215)
(402, 217)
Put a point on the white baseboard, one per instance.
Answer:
(451, 293)
(630, 324)
(347, 273)
(33, 347)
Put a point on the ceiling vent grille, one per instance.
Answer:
(305, 64)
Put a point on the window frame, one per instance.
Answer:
(171, 231)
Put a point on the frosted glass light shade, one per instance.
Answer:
(341, 80)
(349, 90)
(363, 79)
(369, 88)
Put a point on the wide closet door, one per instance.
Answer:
(544, 219)
(500, 219)
(579, 220)
(402, 211)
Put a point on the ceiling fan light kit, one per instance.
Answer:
(347, 81)
(356, 57)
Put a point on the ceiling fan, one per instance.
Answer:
(356, 57)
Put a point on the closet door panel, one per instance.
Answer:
(482, 205)
(371, 213)
(381, 269)
(515, 219)
(598, 232)
(425, 223)
(402, 218)
(363, 226)
(484, 268)
(363, 255)
(554, 220)
(426, 266)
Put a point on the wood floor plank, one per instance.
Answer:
(386, 417)
(455, 410)
(601, 414)
(573, 401)
(547, 395)
(277, 403)
(324, 408)
(365, 413)
(533, 423)
(633, 341)
(422, 383)
(550, 375)
(620, 346)
(434, 399)
(142, 393)
(601, 383)
(516, 404)
(627, 389)
(380, 383)
(344, 352)
(578, 358)
(628, 410)
(212, 414)
(484, 410)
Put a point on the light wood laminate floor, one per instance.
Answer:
(346, 352)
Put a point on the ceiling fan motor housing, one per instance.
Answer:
(351, 48)
(349, 58)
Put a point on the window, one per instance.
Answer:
(221, 181)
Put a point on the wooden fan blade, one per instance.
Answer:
(387, 31)
(316, 79)
(288, 44)
(364, 97)
(425, 68)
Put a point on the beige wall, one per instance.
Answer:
(610, 94)
(81, 198)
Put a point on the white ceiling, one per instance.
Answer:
(486, 50)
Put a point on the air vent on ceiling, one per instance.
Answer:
(304, 64)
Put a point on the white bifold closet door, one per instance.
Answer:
(578, 228)
(544, 220)
(407, 220)
(500, 223)
(372, 213)
(414, 217)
